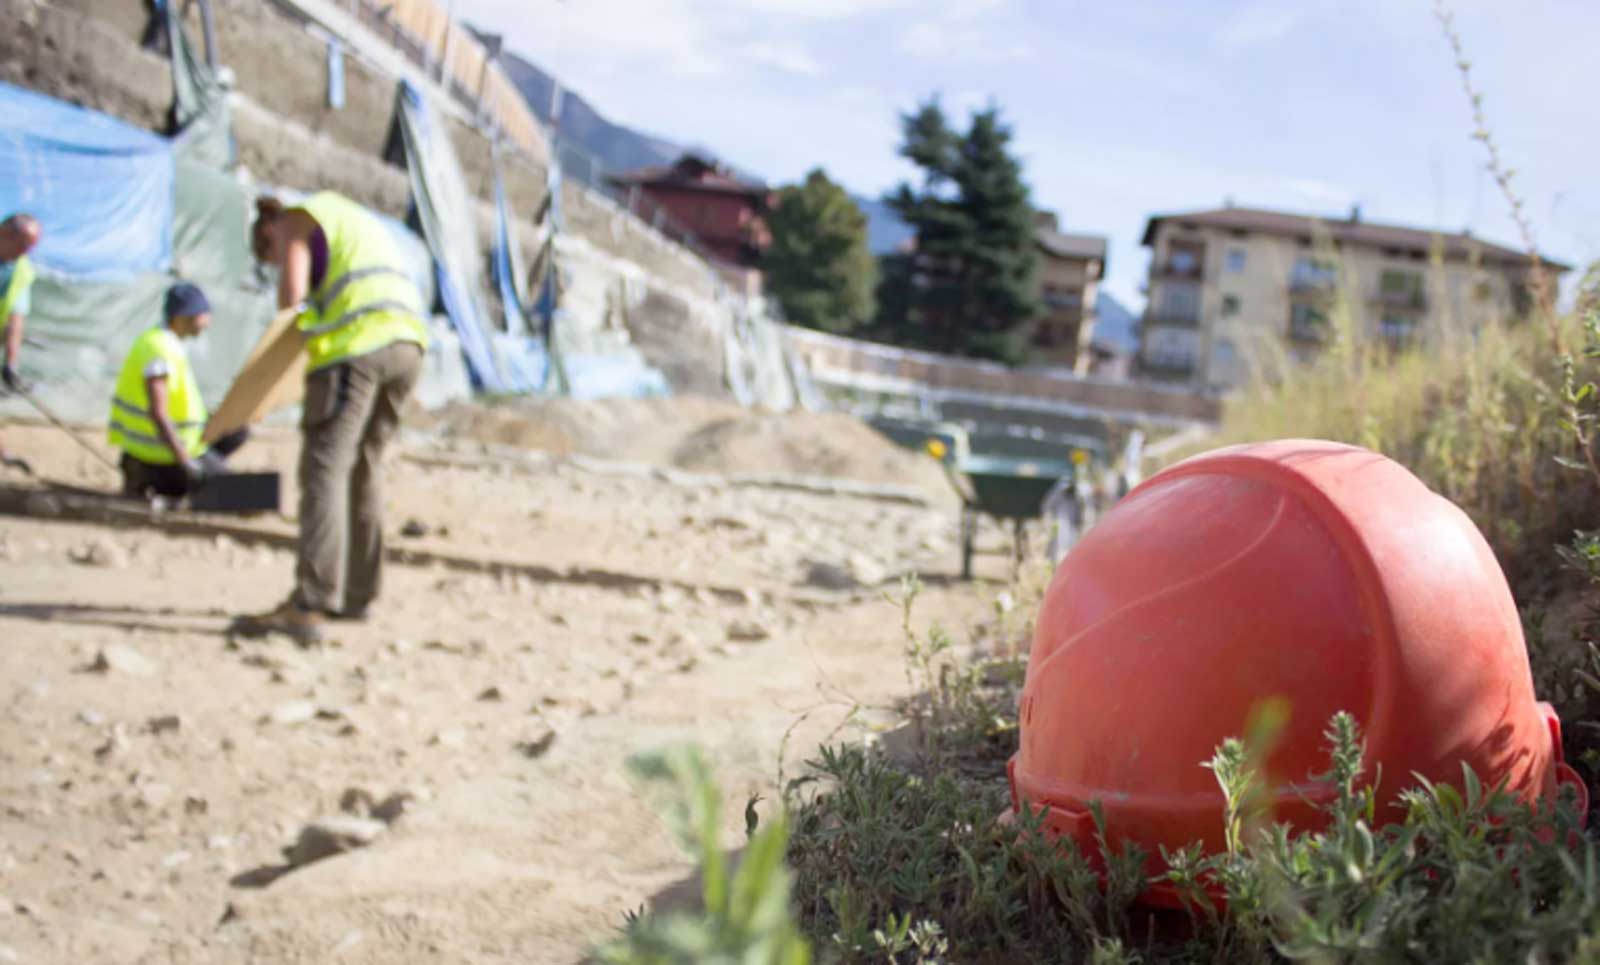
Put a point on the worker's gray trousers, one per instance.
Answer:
(352, 411)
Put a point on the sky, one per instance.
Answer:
(1120, 110)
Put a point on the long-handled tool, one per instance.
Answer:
(56, 421)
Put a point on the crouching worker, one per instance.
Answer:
(157, 415)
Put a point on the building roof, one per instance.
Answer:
(693, 171)
(1347, 230)
(1065, 245)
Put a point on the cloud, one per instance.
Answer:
(970, 32)
(1255, 26)
(788, 58)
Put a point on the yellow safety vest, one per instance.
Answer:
(132, 430)
(366, 300)
(21, 279)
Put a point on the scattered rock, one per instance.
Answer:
(165, 724)
(104, 552)
(829, 576)
(748, 631)
(394, 807)
(91, 717)
(195, 806)
(414, 529)
(491, 694)
(219, 842)
(148, 917)
(116, 743)
(292, 713)
(449, 737)
(865, 570)
(537, 745)
(175, 859)
(122, 659)
(640, 639)
(332, 835)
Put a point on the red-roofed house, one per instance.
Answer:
(724, 216)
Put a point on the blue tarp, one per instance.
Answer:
(444, 207)
(102, 189)
(505, 274)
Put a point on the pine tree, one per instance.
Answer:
(819, 266)
(969, 288)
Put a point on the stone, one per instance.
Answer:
(175, 859)
(292, 713)
(829, 576)
(538, 744)
(866, 570)
(104, 552)
(395, 806)
(414, 529)
(332, 835)
(451, 737)
(219, 842)
(165, 724)
(91, 717)
(491, 694)
(116, 743)
(748, 631)
(118, 658)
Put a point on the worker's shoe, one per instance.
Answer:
(294, 621)
(356, 614)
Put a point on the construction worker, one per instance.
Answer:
(158, 418)
(365, 335)
(18, 235)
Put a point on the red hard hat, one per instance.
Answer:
(1319, 573)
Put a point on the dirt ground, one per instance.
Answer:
(554, 618)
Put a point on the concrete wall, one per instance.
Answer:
(871, 367)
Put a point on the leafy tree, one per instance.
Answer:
(970, 285)
(819, 266)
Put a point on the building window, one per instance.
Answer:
(1230, 305)
(1184, 258)
(1400, 288)
(1308, 323)
(1398, 330)
(1063, 299)
(1311, 274)
(1235, 260)
(1180, 303)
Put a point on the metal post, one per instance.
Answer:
(209, 29)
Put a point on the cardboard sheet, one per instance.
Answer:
(272, 377)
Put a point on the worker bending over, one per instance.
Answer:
(363, 323)
(158, 418)
(18, 236)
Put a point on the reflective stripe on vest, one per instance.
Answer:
(131, 427)
(21, 279)
(366, 300)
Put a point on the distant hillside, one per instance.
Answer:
(885, 231)
(618, 148)
(1115, 326)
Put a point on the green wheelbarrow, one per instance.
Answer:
(1006, 490)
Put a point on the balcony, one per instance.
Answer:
(1313, 286)
(1171, 318)
(1308, 331)
(1408, 300)
(1176, 269)
(1176, 366)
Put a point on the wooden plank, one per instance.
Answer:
(272, 377)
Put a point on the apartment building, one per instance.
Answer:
(1235, 293)
(1070, 269)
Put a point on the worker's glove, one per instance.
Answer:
(194, 473)
(13, 381)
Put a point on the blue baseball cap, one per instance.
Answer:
(186, 299)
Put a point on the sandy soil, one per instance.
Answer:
(560, 618)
